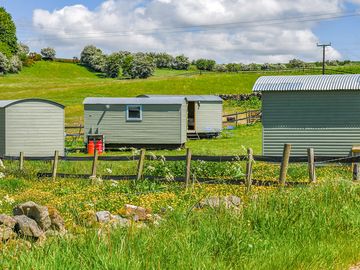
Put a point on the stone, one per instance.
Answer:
(36, 212)
(119, 221)
(7, 221)
(103, 216)
(229, 202)
(27, 227)
(136, 212)
(57, 222)
(6, 233)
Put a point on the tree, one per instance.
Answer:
(233, 67)
(48, 53)
(296, 63)
(181, 62)
(205, 64)
(113, 65)
(138, 67)
(8, 40)
(4, 63)
(93, 58)
(220, 68)
(163, 60)
(15, 64)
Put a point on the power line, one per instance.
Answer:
(208, 27)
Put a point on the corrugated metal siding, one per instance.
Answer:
(308, 82)
(161, 124)
(2, 131)
(328, 121)
(208, 117)
(35, 128)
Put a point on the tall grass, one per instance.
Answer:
(303, 228)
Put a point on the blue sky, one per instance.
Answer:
(53, 25)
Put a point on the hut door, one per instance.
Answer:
(191, 115)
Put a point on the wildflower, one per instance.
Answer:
(151, 168)
(108, 170)
(114, 183)
(153, 156)
(2, 164)
(2, 175)
(162, 159)
(8, 199)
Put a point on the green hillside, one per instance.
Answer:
(69, 84)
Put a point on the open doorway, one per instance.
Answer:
(191, 115)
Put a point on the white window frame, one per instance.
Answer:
(128, 118)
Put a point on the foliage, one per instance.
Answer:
(93, 58)
(15, 64)
(220, 68)
(113, 65)
(205, 64)
(163, 60)
(8, 40)
(296, 63)
(233, 67)
(138, 66)
(48, 53)
(4, 64)
(181, 62)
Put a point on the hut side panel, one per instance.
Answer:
(35, 128)
(328, 121)
(2, 131)
(208, 117)
(184, 122)
(160, 124)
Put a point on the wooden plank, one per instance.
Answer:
(95, 160)
(311, 165)
(284, 164)
(21, 161)
(188, 167)
(55, 165)
(141, 162)
(249, 164)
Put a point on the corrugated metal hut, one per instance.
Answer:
(32, 126)
(204, 114)
(137, 121)
(318, 111)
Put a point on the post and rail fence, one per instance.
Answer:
(311, 160)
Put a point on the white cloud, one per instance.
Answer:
(187, 26)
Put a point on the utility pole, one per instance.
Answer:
(323, 47)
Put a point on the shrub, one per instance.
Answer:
(35, 56)
(4, 63)
(48, 53)
(113, 65)
(163, 60)
(205, 64)
(233, 67)
(15, 64)
(138, 67)
(220, 68)
(296, 63)
(8, 40)
(181, 62)
(93, 58)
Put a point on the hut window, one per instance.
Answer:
(134, 113)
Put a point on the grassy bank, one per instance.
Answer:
(309, 228)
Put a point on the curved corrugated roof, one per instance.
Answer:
(188, 97)
(308, 83)
(7, 103)
(134, 101)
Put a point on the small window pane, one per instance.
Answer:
(134, 113)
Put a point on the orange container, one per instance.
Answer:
(99, 147)
(91, 147)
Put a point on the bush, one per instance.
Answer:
(35, 56)
(233, 67)
(220, 68)
(181, 62)
(296, 63)
(15, 64)
(113, 65)
(48, 53)
(163, 60)
(4, 63)
(8, 40)
(138, 67)
(93, 58)
(205, 64)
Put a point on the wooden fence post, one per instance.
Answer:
(355, 166)
(93, 171)
(141, 162)
(236, 119)
(21, 161)
(55, 165)
(311, 165)
(248, 179)
(188, 167)
(284, 163)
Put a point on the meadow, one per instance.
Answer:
(305, 227)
